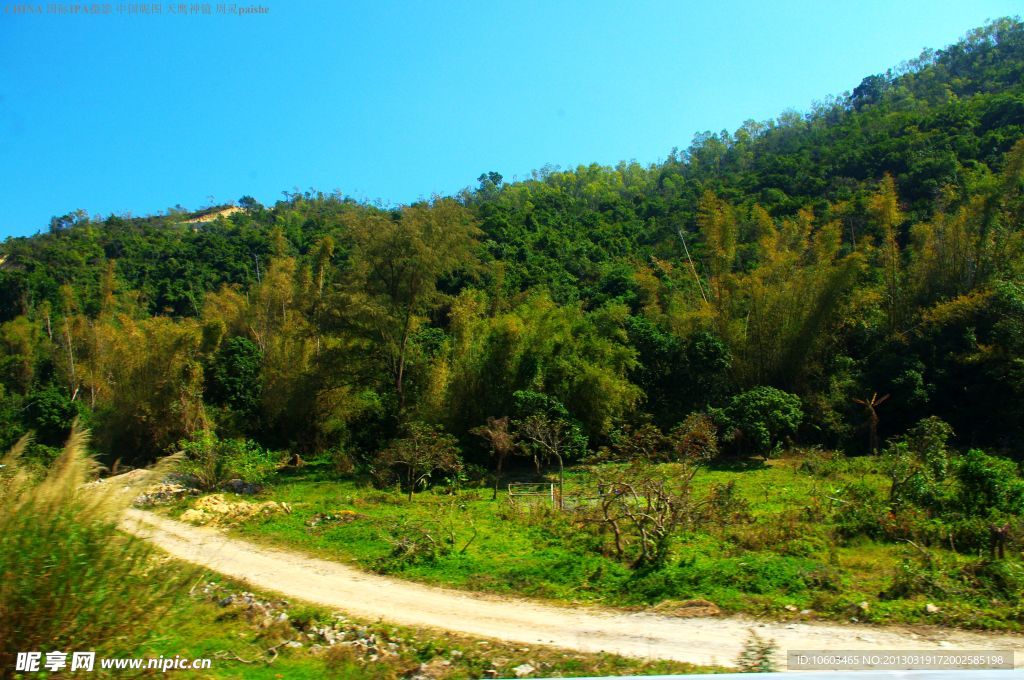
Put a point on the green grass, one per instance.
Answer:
(784, 556)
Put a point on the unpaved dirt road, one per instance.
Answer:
(368, 596)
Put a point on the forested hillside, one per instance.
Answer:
(828, 278)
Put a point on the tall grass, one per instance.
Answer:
(69, 580)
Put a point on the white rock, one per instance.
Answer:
(522, 670)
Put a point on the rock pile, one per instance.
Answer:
(163, 493)
(216, 509)
(339, 517)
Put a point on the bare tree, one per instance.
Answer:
(871, 408)
(497, 434)
(642, 506)
(546, 438)
(422, 451)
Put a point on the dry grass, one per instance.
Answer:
(69, 580)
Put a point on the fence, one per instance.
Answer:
(531, 491)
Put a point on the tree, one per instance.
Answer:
(870, 91)
(51, 415)
(423, 450)
(761, 418)
(717, 222)
(918, 462)
(645, 506)
(234, 378)
(871, 408)
(546, 438)
(501, 441)
(249, 204)
(396, 266)
(885, 213)
(154, 393)
(578, 359)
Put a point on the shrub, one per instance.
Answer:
(448, 532)
(68, 578)
(928, 572)
(917, 464)
(757, 655)
(969, 534)
(820, 463)
(912, 524)
(234, 377)
(761, 418)
(644, 508)
(860, 512)
(424, 450)
(988, 484)
(645, 442)
(724, 505)
(695, 439)
(996, 578)
(213, 461)
(919, 573)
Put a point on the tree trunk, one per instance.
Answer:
(561, 481)
(401, 361)
(497, 477)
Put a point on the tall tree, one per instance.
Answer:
(396, 268)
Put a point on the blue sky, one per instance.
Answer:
(397, 101)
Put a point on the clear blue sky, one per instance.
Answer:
(396, 101)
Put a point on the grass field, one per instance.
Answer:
(782, 556)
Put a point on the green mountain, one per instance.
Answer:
(865, 256)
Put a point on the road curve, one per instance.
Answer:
(706, 641)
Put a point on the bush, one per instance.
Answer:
(915, 575)
(50, 413)
(68, 578)
(926, 572)
(860, 512)
(917, 464)
(724, 505)
(424, 450)
(996, 578)
(988, 484)
(970, 535)
(761, 418)
(757, 655)
(214, 461)
(818, 463)
(695, 439)
(752, 574)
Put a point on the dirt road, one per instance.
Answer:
(368, 596)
